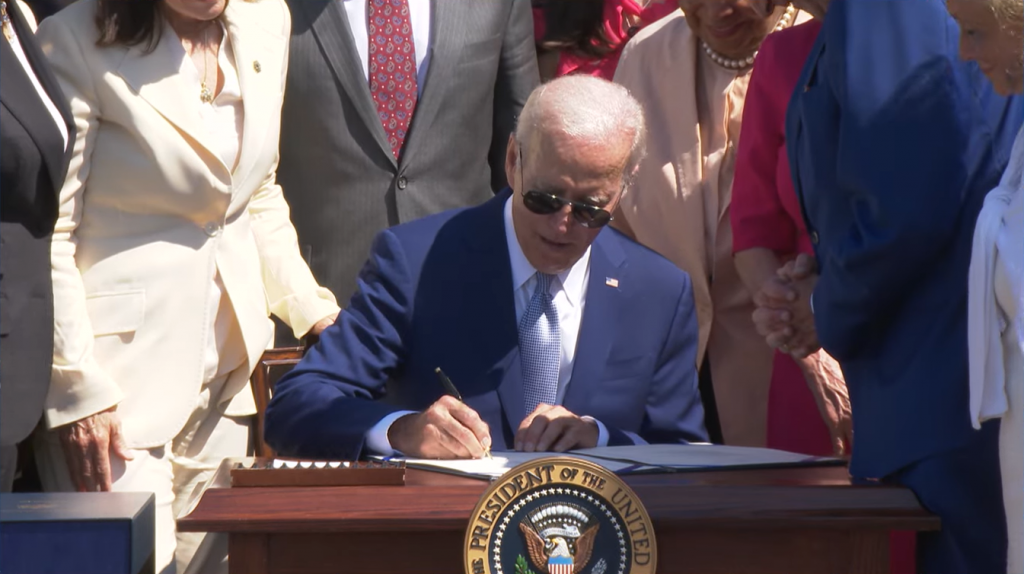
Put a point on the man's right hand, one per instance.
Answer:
(89, 445)
(448, 429)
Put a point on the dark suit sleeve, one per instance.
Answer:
(906, 108)
(324, 407)
(517, 77)
(674, 413)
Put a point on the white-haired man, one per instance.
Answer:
(558, 332)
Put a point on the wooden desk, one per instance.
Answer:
(790, 521)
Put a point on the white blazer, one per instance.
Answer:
(149, 215)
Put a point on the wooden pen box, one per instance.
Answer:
(288, 472)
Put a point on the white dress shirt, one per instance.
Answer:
(569, 295)
(224, 117)
(224, 120)
(419, 15)
(43, 96)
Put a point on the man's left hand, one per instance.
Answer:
(554, 429)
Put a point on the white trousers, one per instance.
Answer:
(1011, 453)
(172, 472)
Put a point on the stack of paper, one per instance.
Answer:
(633, 459)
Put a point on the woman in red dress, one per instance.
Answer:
(768, 230)
(808, 405)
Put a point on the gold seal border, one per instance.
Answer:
(552, 471)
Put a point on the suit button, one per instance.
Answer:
(212, 229)
(814, 238)
(402, 182)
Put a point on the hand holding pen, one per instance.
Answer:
(451, 390)
(448, 429)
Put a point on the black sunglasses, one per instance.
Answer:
(589, 216)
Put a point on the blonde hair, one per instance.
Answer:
(1010, 15)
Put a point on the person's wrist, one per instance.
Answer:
(593, 435)
(399, 430)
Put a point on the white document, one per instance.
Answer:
(500, 463)
(629, 459)
(701, 456)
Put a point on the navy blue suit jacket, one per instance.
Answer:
(438, 292)
(893, 143)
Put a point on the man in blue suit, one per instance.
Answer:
(893, 143)
(559, 333)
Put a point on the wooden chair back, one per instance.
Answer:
(272, 366)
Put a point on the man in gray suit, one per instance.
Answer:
(350, 164)
(35, 143)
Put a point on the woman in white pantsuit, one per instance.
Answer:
(172, 247)
(992, 34)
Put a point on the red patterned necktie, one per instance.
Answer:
(392, 67)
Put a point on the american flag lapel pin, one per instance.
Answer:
(611, 282)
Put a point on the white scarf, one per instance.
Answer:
(1000, 227)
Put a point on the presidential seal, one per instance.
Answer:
(560, 515)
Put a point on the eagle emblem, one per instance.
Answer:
(560, 515)
(559, 538)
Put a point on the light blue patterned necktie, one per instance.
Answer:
(540, 347)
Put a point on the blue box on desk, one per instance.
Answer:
(77, 533)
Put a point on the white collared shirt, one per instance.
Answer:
(419, 16)
(43, 96)
(224, 117)
(569, 295)
(224, 121)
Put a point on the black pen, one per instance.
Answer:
(447, 384)
(451, 390)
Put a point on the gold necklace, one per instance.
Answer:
(204, 92)
(5, 22)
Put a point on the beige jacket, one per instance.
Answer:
(679, 206)
(149, 215)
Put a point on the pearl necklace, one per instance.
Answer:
(731, 64)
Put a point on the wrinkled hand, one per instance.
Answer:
(321, 325)
(783, 315)
(448, 429)
(88, 446)
(802, 267)
(554, 429)
(825, 379)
